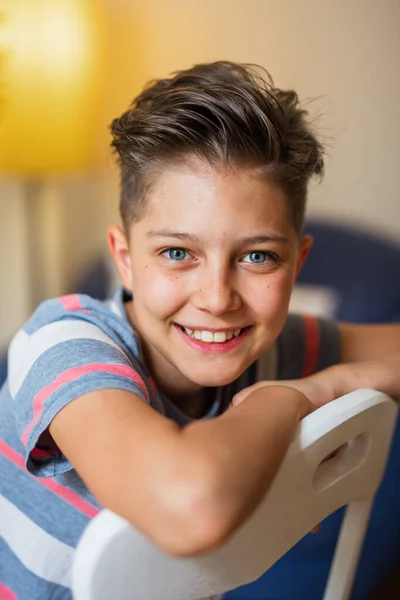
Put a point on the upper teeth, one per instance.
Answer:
(210, 337)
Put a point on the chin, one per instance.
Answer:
(217, 379)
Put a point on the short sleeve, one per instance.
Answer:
(53, 366)
(306, 345)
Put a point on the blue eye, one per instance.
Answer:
(176, 254)
(257, 258)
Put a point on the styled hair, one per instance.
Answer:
(225, 113)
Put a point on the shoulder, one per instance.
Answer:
(76, 306)
(70, 347)
(70, 322)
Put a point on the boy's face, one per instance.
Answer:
(214, 256)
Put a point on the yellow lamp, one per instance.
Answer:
(51, 62)
(53, 52)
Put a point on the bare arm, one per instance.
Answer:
(380, 374)
(368, 342)
(187, 489)
(370, 358)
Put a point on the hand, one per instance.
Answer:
(319, 388)
(287, 393)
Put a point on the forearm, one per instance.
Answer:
(368, 342)
(186, 489)
(336, 381)
(245, 447)
(380, 374)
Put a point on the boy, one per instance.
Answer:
(110, 403)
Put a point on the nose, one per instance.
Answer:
(216, 291)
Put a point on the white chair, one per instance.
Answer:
(114, 561)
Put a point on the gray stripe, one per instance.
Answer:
(267, 364)
(330, 346)
(291, 348)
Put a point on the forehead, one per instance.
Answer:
(198, 197)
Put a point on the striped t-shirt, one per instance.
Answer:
(70, 346)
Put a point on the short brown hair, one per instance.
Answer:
(226, 113)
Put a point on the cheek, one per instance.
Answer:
(271, 299)
(158, 293)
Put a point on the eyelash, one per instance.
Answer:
(269, 256)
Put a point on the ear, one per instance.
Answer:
(119, 250)
(305, 246)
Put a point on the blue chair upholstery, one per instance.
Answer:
(363, 269)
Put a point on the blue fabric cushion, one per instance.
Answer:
(363, 269)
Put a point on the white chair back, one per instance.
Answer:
(114, 561)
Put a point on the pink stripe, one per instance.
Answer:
(11, 454)
(312, 345)
(69, 496)
(74, 373)
(70, 302)
(6, 593)
(66, 494)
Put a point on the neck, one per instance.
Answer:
(190, 398)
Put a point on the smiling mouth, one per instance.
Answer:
(211, 337)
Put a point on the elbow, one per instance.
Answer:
(190, 521)
(183, 510)
(190, 512)
(192, 540)
(181, 523)
(199, 536)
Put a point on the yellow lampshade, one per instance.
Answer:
(51, 78)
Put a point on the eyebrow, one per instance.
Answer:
(188, 237)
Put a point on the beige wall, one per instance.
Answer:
(346, 52)
(13, 260)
